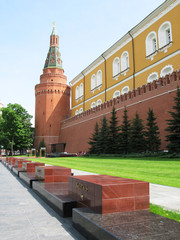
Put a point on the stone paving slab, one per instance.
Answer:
(165, 196)
(135, 225)
(24, 216)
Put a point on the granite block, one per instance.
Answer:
(52, 173)
(108, 194)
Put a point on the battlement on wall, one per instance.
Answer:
(162, 84)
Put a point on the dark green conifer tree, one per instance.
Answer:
(153, 141)
(124, 136)
(137, 141)
(94, 140)
(173, 138)
(103, 140)
(113, 132)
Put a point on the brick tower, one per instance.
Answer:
(52, 97)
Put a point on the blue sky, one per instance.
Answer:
(86, 29)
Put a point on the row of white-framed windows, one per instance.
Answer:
(164, 36)
(79, 91)
(123, 91)
(79, 111)
(168, 69)
(124, 63)
(98, 103)
(96, 80)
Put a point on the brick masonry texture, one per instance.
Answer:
(158, 95)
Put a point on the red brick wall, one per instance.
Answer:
(158, 95)
(52, 106)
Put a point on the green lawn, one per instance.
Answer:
(165, 213)
(151, 169)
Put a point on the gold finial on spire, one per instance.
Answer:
(54, 29)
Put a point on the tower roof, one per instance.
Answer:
(53, 59)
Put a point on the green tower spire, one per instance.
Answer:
(53, 59)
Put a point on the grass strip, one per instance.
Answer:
(165, 213)
(154, 170)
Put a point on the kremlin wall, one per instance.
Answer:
(158, 95)
(140, 71)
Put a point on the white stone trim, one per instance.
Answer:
(93, 103)
(159, 62)
(122, 91)
(157, 14)
(150, 52)
(161, 32)
(138, 73)
(114, 94)
(116, 61)
(126, 69)
(167, 66)
(153, 73)
(138, 29)
(98, 102)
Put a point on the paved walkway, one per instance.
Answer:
(23, 215)
(167, 197)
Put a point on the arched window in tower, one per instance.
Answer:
(165, 34)
(153, 76)
(99, 102)
(77, 92)
(99, 78)
(81, 89)
(166, 70)
(151, 43)
(125, 90)
(93, 105)
(93, 81)
(116, 94)
(124, 61)
(116, 66)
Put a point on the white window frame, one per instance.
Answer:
(150, 51)
(81, 89)
(93, 105)
(164, 43)
(123, 91)
(153, 76)
(116, 94)
(77, 112)
(116, 67)
(163, 73)
(99, 102)
(124, 62)
(93, 82)
(77, 92)
(99, 78)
